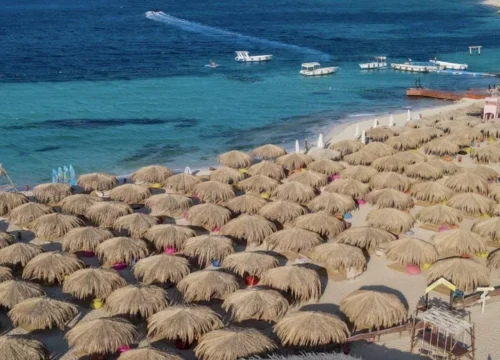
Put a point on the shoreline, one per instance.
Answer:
(494, 3)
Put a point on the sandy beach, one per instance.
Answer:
(495, 3)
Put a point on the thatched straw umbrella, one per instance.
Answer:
(424, 135)
(332, 203)
(346, 147)
(5, 274)
(405, 141)
(295, 192)
(268, 152)
(459, 139)
(467, 182)
(148, 353)
(165, 236)
(393, 220)
(54, 226)
(390, 180)
(96, 283)
(389, 198)
(460, 241)
(292, 239)
(309, 178)
(11, 200)
(227, 175)
(136, 300)
(388, 163)
(15, 347)
(106, 213)
(52, 266)
(12, 292)
(19, 253)
(255, 304)
(441, 147)
(420, 123)
(246, 204)
(359, 173)
(51, 193)
(494, 192)
(311, 328)
(471, 204)
(448, 168)
(324, 154)
(334, 255)
(130, 193)
(232, 344)
(373, 309)
(25, 214)
(251, 228)
(349, 187)
(42, 313)
(78, 204)
(431, 191)
(466, 274)
(303, 283)
(494, 260)
(210, 216)
(485, 172)
(495, 210)
(325, 166)
(207, 284)
(249, 262)
(136, 224)
(440, 215)
(97, 181)
(489, 228)
(379, 133)
(235, 159)
(267, 168)
(410, 157)
(207, 248)
(411, 251)
(122, 249)
(101, 336)
(182, 183)
(321, 223)
(466, 131)
(85, 238)
(6, 239)
(168, 204)
(161, 269)
(294, 161)
(361, 157)
(379, 149)
(213, 192)
(281, 211)
(258, 184)
(489, 129)
(424, 171)
(152, 174)
(365, 237)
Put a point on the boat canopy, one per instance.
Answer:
(311, 65)
(380, 58)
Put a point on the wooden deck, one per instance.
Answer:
(444, 95)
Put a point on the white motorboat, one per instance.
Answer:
(443, 65)
(408, 66)
(380, 62)
(315, 69)
(246, 57)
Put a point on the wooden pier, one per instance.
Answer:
(445, 95)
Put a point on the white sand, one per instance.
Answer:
(495, 3)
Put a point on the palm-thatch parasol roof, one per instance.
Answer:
(379, 133)
(130, 193)
(388, 163)
(232, 344)
(420, 123)
(101, 336)
(12, 292)
(495, 210)
(6, 239)
(466, 274)
(97, 181)
(166, 235)
(361, 157)
(208, 247)
(494, 192)
(431, 191)
(106, 213)
(227, 175)
(467, 182)
(334, 255)
(295, 192)
(251, 228)
(281, 211)
(258, 184)
(349, 187)
(411, 250)
(84, 238)
(309, 178)
(328, 154)
(51, 193)
(485, 172)
(489, 228)
(42, 313)
(466, 131)
(439, 215)
(246, 204)
(311, 328)
(148, 353)
(91, 282)
(461, 241)
(54, 226)
(162, 268)
(441, 147)
(346, 147)
(136, 300)
(410, 157)
(393, 220)
(365, 237)
(182, 183)
(168, 204)
(459, 139)
(424, 171)
(326, 166)
(268, 151)
(136, 224)
(293, 239)
(390, 198)
(213, 192)
(373, 309)
(255, 304)
(14, 347)
(209, 216)
(303, 283)
(19, 253)
(489, 129)
(122, 249)
(390, 180)
(5, 274)
(11, 200)
(405, 141)
(424, 135)
(52, 266)
(78, 204)
(235, 159)
(448, 168)
(267, 168)
(25, 214)
(471, 204)
(249, 262)
(207, 284)
(294, 161)
(379, 149)
(152, 174)
(321, 223)
(493, 260)
(359, 173)
(332, 203)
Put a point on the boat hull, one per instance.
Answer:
(414, 68)
(443, 65)
(373, 65)
(319, 72)
(254, 58)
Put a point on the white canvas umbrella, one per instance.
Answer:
(356, 133)
(363, 137)
(321, 141)
(375, 123)
(188, 171)
(408, 116)
(297, 146)
(391, 121)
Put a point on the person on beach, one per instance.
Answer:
(306, 146)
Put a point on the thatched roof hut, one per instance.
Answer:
(390, 198)
(255, 304)
(122, 249)
(162, 268)
(388, 163)
(268, 152)
(440, 215)
(11, 200)
(232, 344)
(321, 223)
(460, 241)
(346, 147)
(227, 175)
(97, 181)
(294, 161)
(148, 353)
(424, 171)
(206, 248)
(213, 192)
(52, 266)
(295, 192)
(431, 191)
(441, 147)
(25, 214)
(166, 235)
(381, 133)
(281, 211)
(448, 168)
(326, 166)
(311, 328)
(5, 274)
(168, 204)
(365, 237)
(267, 168)
(51, 193)
(405, 141)
(135, 224)
(410, 157)
(467, 182)
(182, 183)
(390, 180)
(361, 157)
(78, 204)
(12, 292)
(359, 173)
(84, 238)
(489, 228)
(292, 239)
(130, 193)
(19, 253)
(6, 239)
(101, 336)
(106, 213)
(337, 256)
(304, 284)
(93, 283)
(42, 313)
(412, 251)
(350, 187)
(136, 300)
(324, 154)
(309, 178)
(209, 216)
(251, 228)
(392, 220)
(183, 322)
(14, 347)
(465, 274)
(205, 285)
(332, 203)
(249, 262)
(258, 184)
(471, 204)
(152, 174)
(493, 260)
(373, 309)
(235, 159)
(246, 204)
(54, 226)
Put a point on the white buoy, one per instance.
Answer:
(187, 170)
(408, 116)
(321, 141)
(375, 123)
(297, 146)
(356, 133)
(363, 137)
(391, 121)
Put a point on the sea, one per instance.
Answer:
(106, 85)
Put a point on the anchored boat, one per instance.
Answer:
(315, 69)
(443, 65)
(380, 62)
(246, 57)
(411, 67)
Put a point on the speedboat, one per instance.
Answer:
(315, 69)
(246, 57)
(380, 62)
(443, 65)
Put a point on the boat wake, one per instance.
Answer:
(217, 32)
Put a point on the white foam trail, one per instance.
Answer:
(214, 31)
